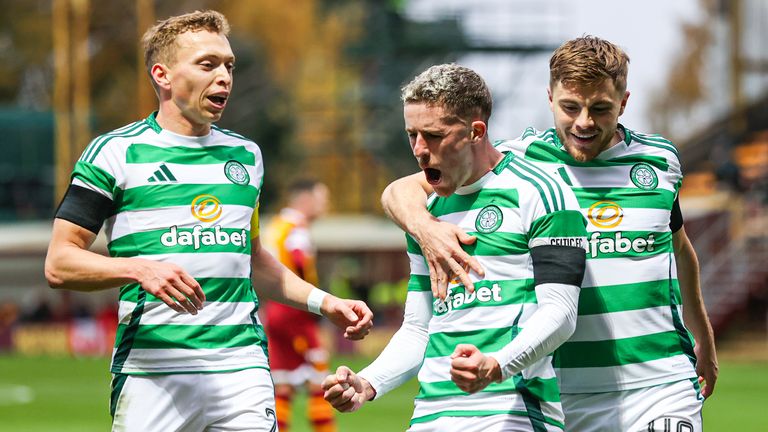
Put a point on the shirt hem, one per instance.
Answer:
(186, 371)
(626, 386)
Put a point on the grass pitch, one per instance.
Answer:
(68, 394)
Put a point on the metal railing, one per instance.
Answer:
(733, 265)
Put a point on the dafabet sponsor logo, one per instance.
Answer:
(607, 215)
(205, 208)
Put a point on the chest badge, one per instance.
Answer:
(236, 173)
(489, 219)
(643, 176)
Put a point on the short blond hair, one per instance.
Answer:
(159, 41)
(589, 60)
(458, 89)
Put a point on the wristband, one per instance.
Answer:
(315, 300)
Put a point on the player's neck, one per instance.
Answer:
(174, 121)
(296, 214)
(618, 137)
(485, 161)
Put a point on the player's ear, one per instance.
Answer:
(477, 130)
(624, 103)
(159, 75)
(551, 101)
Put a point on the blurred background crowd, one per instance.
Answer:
(317, 87)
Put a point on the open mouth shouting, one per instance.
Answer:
(433, 175)
(219, 100)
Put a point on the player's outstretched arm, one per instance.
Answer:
(694, 312)
(404, 201)
(70, 265)
(402, 357)
(276, 282)
(398, 362)
(346, 391)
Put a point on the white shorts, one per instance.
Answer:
(196, 402)
(674, 407)
(492, 423)
(305, 373)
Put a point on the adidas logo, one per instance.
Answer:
(163, 174)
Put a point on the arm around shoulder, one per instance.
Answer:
(404, 201)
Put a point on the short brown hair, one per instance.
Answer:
(460, 90)
(159, 41)
(589, 60)
(304, 184)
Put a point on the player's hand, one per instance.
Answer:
(353, 316)
(441, 247)
(171, 284)
(344, 390)
(471, 370)
(706, 367)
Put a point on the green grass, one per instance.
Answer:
(65, 394)
(390, 413)
(740, 399)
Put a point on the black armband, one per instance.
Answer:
(676, 217)
(85, 208)
(558, 264)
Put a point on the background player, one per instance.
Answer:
(296, 356)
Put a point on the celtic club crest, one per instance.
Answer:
(489, 219)
(643, 176)
(236, 173)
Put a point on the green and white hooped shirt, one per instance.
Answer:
(188, 201)
(510, 210)
(629, 333)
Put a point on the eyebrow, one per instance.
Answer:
(599, 102)
(431, 130)
(209, 54)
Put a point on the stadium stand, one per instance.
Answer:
(725, 200)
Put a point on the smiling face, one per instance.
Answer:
(442, 144)
(196, 85)
(587, 116)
